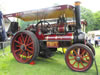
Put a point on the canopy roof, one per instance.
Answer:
(46, 13)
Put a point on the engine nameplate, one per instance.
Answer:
(53, 44)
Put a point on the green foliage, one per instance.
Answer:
(89, 17)
(97, 20)
(93, 19)
(25, 24)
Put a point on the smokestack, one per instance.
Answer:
(77, 15)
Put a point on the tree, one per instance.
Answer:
(24, 24)
(89, 17)
(97, 20)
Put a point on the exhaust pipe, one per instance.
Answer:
(77, 15)
(79, 36)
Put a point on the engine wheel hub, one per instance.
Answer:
(78, 58)
(23, 47)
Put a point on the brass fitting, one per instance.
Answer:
(77, 3)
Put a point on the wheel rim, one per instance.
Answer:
(78, 59)
(22, 47)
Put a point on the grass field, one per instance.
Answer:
(52, 66)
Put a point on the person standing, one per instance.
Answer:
(96, 41)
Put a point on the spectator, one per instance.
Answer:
(89, 40)
(96, 42)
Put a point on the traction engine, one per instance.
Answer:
(44, 38)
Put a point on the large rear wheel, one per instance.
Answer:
(79, 57)
(25, 46)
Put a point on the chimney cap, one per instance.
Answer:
(77, 3)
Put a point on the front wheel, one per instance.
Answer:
(79, 57)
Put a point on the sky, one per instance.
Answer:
(11, 6)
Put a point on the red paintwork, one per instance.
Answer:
(61, 28)
(13, 15)
(55, 37)
(39, 35)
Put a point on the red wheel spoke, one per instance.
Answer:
(74, 63)
(21, 58)
(30, 47)
(83, 52)
(19, 39)
(22, 37)
(85, 56)
(25, 54)
(72, 55)
(21, 52)
(17, 42)
(22, 55)
(78, 65)
(18, 45)
(29, 50)
(75, 52)
(29, 44)
(28, 54)
(17, 50)
(82, 64)
(85, 61)
(72, 59)
(26, 38)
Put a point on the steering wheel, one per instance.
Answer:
(43, 26)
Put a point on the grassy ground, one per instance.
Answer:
(53, 66)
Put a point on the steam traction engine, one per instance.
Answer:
(45, 37)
